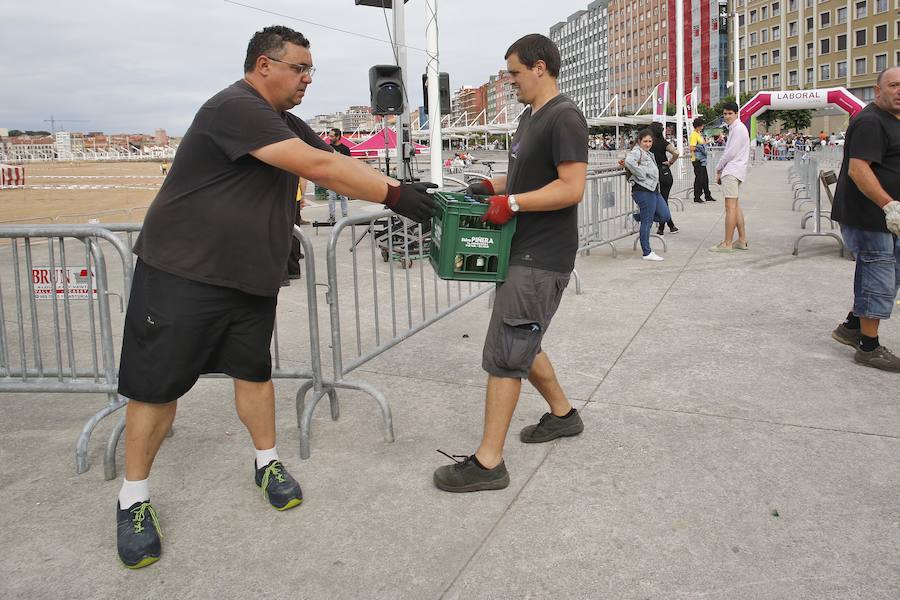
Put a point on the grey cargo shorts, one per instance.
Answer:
(523, 308)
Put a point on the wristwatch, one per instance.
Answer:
(513, 205)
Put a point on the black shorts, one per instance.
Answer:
(176, 329)
(524, 305)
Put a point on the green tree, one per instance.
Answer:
(795, 120)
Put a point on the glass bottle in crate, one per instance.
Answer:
(458, 262)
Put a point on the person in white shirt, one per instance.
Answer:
(730, 173)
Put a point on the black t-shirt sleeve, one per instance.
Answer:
(243, 124)
(569, 141)
(869, 141)
(306, 133)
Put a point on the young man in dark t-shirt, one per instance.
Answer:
(543, 186)
(212, 253)
(865, 204)
(334, 140)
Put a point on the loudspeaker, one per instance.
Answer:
(386, 90)
(443, 88)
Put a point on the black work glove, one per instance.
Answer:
(410, 200)
(483, 187)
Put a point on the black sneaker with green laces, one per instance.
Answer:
(468, 475)
(138, 535)
(280, 489)
(551, 427)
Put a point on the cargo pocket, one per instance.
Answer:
(521, 340)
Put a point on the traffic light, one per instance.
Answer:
(443, 88)
(386, 90)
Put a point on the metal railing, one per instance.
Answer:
(806, 180)
(392, 293)
(46, 352)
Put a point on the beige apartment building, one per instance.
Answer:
(808, 44)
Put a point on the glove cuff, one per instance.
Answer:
(393, 195)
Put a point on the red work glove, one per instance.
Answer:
(498, 211)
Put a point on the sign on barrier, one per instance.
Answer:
(74, 279)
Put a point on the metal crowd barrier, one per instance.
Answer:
(806, 181)
(30, 363)
(392, 294)
(605, 214)
(41, 355)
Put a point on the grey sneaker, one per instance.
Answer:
(845, 335)
(880, 358)
(551, 427)
(467, 476)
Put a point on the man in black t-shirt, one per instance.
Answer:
(543, 186)
(866, 205)
(212, 253)
(334, 140)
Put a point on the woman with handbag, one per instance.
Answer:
(665, 155)
(645, 190)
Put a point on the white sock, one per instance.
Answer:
(264, 457)
(133, 491)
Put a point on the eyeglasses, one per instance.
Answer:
(299, 68)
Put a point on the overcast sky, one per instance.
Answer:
(135, 65)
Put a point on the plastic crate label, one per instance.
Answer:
(477, 242)
(436, 232)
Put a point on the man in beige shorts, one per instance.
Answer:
(730, 173)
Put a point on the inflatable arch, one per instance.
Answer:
(801, 99)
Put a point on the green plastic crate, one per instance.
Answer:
(463, 247)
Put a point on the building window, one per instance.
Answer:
(841, 15)
(763, 13)
(792, 77)
(809, 50)
(841, 69)
(764, 36)
(776, 32)
(842, 42)
(742, 65)
(776, 9)
(809, 75)
(765, 81)
(753, 38)
(824, 19)
(897, 30)
(881, 33)
(742, 42)
(880, 62)
(810, 24)
(880, 7)
(859, 66)
(765, 59)
(753, 83)
(792, 28)
(862, 9)
(860, 37)
(897, 58)
(792, 53)
(754, 61)
(825, 46)
(741, 20)
(792, 5)
(825, 72)
(776, 57)
(753, 16)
